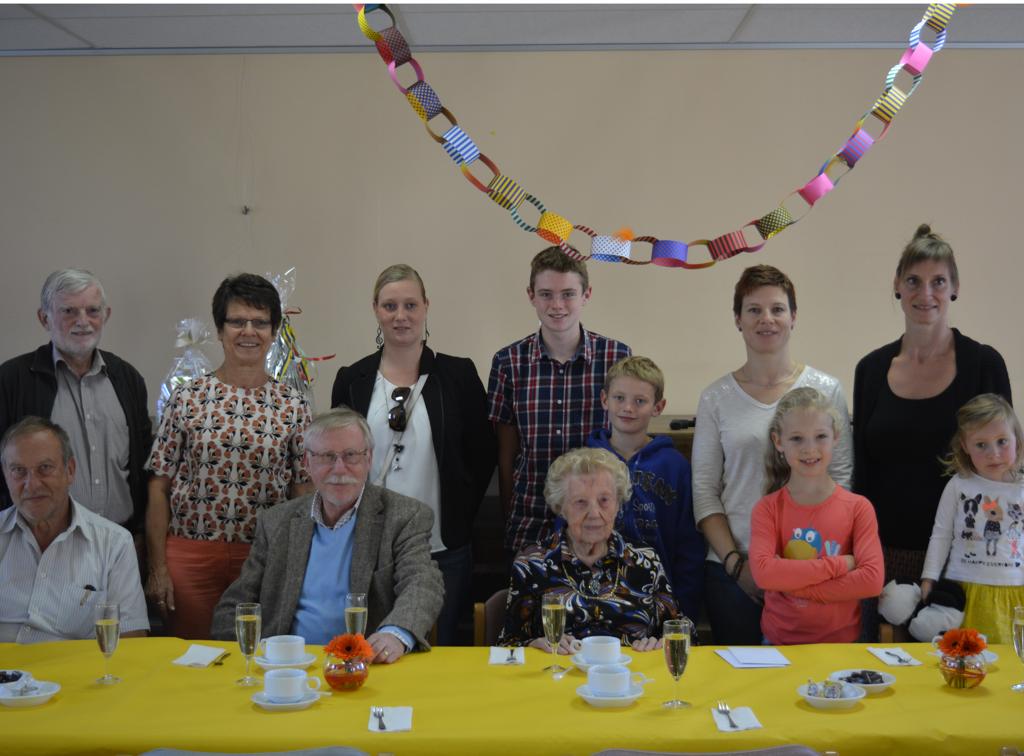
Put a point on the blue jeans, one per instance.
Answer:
(735, 617)
(457, 572)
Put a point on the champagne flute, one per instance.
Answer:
(248, 623)
(552, 616)
(355, 613)
(676, 635)
(108, 632)
(1018, 639)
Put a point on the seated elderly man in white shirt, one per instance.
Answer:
(58, 560)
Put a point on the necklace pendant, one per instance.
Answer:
(595, 585)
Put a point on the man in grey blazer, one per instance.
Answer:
(348, 536)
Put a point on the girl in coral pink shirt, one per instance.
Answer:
(814, 546)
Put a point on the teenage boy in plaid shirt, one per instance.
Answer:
(544, 393)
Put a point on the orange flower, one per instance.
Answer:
(349, 646)
(962, 642)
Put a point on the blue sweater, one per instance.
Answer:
(660, 514)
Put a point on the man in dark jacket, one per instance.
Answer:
(96, 396)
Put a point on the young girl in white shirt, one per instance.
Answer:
(978, 524)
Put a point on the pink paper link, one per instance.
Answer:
(915, 59)
(816, 188)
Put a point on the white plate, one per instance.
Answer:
(10, 697)
(584, 665)
(300, 663)
(887, 679)
(851, 695)
(610, 702)
(307, 700)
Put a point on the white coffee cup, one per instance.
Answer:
(288, 685)
(612, 679)
(600, 649)
(283, 649)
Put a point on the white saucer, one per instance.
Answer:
(300, 663)
(610, 702)
(260, 699)
(43, 693)
(584, 665)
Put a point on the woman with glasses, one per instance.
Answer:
(229, 444)
(428, 415)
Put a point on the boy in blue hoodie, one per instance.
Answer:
(660, 513)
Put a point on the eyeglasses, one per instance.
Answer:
(397, 416)
(260, 324)
(350, 457)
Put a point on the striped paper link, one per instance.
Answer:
(518, 219)
(890, 78)
(610, 249)
(774, 222)
(364, 26)
(506, 192)
(915, 36)
(459, 146)
(473, 179)
(424, 100)
(572, 252)
(392, 46)
(727, 245)
(856, 147)
(939, 15)
(888, 105)
(553, 227)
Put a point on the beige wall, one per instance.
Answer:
(137, 167)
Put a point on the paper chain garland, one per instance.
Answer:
(507, 193)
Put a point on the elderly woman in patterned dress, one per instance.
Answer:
(229, 445)
(611, 587)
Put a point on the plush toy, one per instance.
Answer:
(901, 604)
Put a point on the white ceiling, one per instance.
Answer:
(135, 29)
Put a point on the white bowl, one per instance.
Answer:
(43, 693)
(851, 695)
(871, 688)
(24, 676)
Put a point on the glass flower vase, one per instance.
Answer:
(346, 674)
(962, 671)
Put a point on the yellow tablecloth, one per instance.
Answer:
(462, 705)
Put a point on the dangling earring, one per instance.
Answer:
(952, 298)
(426, 332)
(380, 338)
(898, 295)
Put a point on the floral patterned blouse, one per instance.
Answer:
(229, 452)
(625, 594)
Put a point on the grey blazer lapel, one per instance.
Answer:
(367, 534)
(300, 540)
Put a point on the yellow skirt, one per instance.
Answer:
(990, 609)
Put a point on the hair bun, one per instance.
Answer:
(924, 230)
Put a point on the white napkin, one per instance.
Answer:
(500, 655)
(396, 719)
(753, 657)
(199, 656)
(892, 661)
(743, 716)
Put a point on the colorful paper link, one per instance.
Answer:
(508, 194)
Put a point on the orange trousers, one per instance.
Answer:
(201, 571)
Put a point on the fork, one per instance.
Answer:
(378, 713)
(897, 657)
(723, 708)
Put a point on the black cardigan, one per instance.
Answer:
(979, 369)
(28, 386)
(463, 437)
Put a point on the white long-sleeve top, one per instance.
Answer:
(729, 443)
(977, 529)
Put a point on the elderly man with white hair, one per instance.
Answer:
(98, 398)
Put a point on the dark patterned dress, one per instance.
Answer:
(625, 594)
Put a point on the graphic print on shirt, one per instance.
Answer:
(1016, 513)
(993, 528)
(806, 543)
(970, 512)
